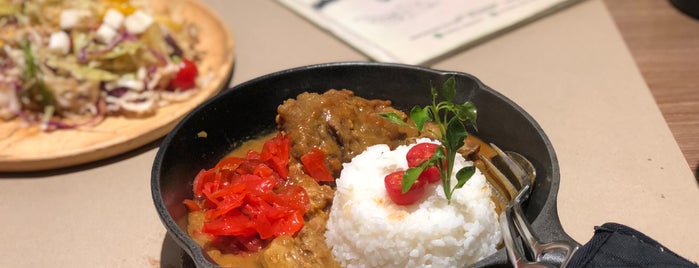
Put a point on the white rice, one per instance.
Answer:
(366, 229)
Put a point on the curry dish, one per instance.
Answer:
(341, 125)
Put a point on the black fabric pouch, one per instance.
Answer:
(617, 245)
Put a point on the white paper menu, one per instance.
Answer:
(418, 31)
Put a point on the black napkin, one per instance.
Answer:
(617, 245)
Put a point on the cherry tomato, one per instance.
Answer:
(430, 175)
(393, 183)
(420, 153)
(186, 76)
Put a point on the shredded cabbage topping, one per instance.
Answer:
(66, 64)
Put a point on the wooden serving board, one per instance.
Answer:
(27, 148)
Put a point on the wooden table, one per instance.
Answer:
(665, 44)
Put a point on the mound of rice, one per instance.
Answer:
(366, 229)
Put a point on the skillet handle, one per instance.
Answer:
(524, 248)
(550, 229)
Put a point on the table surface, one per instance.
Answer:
(588, 88)
(665, 45)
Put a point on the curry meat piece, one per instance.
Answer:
(340, 124)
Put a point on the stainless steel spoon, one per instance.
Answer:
(524, 249)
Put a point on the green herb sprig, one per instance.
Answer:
(450, 119)
(32, 85)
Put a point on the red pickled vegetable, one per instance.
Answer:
(314, 165)
(191, 205)
(247, 201)
(276, 154)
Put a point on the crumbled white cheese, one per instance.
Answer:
(141, 73)
(71, 18)
(106, 33)
(59, 42)
(9, 103)
(138, 22)
(113, 18)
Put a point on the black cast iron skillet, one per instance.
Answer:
(248, 109)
